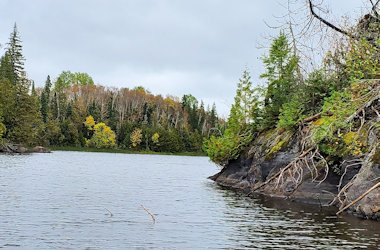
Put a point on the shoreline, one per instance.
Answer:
(123, 151)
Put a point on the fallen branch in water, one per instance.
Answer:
(359, 198)
(111, 214)
(146, 210)
(283, 169)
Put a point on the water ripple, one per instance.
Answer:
(76, 200)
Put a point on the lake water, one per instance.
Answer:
(77, 200)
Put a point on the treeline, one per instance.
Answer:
(73, 111)
(331, 92)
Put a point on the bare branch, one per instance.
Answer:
(311, 7)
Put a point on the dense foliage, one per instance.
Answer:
(337, 90)
(239, 131)
(72, 111)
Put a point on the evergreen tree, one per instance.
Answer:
(33, 91)
(6, 70)
(245, 100)
(14, 50)
(281, 66)
(213, 118)
(45, 96)
(112, 114)
(20, 111)
(240, 127)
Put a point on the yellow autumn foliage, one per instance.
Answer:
(103, 136)
(89, 123)
(136, 137)
(155, 138)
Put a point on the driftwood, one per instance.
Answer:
(359, 198)
(111, 214)
(146, 210)
(283, 169)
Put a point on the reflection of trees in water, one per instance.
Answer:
(262, 221)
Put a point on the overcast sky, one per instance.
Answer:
(170, 47)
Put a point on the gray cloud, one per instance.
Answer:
(170, 47)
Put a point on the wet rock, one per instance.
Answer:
(39, 149)
(251, 170)
(19, 149)
(368, 176)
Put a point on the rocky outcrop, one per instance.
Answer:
(368, 176)
(19, 149)
(280, 163)
(38, 149)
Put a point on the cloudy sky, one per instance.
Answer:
(171, 47)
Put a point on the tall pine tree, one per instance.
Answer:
(281, 76)
(20, 111)
(14, 51)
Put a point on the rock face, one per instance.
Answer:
(18, 149)
(273, 166)
(368, 176)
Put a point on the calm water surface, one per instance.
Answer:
(76, 200)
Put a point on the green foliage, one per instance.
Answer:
(290, 114)
(67, 78)
(281, 65)
(195, 141)
(316, 88)
(336, 110)
(44, 100)
(362, 61)
(16, 58)
(6, 70)
(190, 105)
(170, 141)
(53, 132)
(239, 131)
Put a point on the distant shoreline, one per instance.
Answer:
(123, 151)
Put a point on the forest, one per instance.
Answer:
(71, 110)
(331, 94)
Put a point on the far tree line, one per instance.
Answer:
(72, 111)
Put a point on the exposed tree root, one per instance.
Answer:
(359, 198)
(280, 173)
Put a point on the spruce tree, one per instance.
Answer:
(14, 51)
(281, 65)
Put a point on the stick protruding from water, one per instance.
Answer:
(146, 210)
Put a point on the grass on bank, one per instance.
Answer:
(122, 151)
